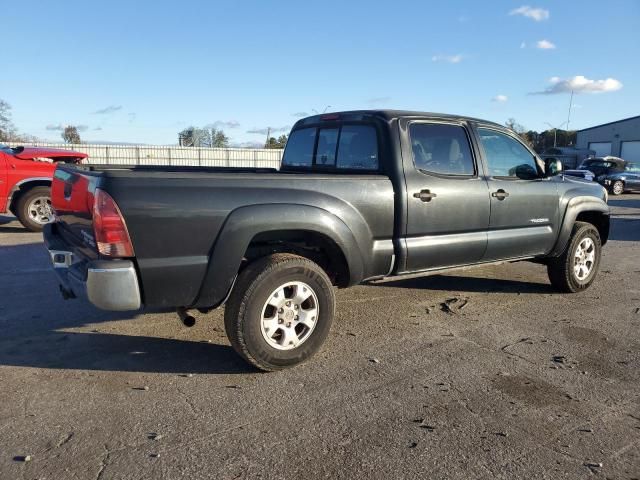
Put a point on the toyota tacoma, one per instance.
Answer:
(360, 196)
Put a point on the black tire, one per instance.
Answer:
(244, 310)
(23, 204)
(617, 188)
(561, 269)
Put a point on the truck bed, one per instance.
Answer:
(176, 215)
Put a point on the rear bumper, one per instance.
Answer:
(107, 284)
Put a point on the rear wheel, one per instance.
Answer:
(280, 311)
(576, 269)
(618, 187)
(34, 208)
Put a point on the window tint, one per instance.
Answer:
(358, 148)
(299, 150)
(507, 157)
(326, 152)
(442, 149)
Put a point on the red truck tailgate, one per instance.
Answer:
(72, 197)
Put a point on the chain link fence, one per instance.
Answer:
(171, 155)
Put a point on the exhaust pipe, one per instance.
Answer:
(66, 293)
(186, 319)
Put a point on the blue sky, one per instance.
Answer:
(141, 71)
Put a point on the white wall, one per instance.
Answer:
(171, 155)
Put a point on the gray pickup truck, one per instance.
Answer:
(360, 195)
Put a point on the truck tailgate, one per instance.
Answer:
(72, 197)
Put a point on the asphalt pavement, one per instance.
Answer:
(486, 373)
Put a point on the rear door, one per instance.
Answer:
(447, 198)
(524, 203)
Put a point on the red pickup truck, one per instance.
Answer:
(25, 182)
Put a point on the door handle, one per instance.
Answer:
(500, 194)
(424, 195)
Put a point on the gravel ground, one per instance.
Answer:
(520, 382)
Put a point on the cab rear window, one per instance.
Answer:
(348, 147)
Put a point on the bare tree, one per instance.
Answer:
(520, 130)
(7, 129)
(203, 137)
(70, 134)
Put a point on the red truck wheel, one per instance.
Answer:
(33, 208)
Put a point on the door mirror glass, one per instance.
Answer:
(553, 167)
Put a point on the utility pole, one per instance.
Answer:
(555, 132)
(266, 144)
(569, 114)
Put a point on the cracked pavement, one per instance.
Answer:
(519, 382)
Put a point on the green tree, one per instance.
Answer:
(279, 142)
(70, 134)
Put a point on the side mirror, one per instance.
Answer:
(552, 166)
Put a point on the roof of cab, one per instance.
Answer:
(389, 115)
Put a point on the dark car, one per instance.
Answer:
(360, 196)
(613, 173)
(585, 174)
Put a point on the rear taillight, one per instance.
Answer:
(112, 237)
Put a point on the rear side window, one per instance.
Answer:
(349, 147)
(441, 149)
(358, 148)
(299, 151)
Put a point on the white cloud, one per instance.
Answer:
(223, 124)
(545, 45)
(500, 98)
(447, 58)
(523, 45)
(270, 130)
(537, 14)
(59, 127)
(378, 100)
(580, 84)
(108, 110)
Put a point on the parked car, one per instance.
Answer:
(615, 174)
(570, 157)
(360, 196)
(585, 174)
(25, 182)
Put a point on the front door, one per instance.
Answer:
(632, 173)
(447, 198)
(524, 203)
(4, 186)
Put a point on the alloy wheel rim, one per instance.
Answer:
(617, 187)
(40, 210)
(584, 259)
(289, 316)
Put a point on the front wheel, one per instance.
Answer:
(576, 269)
(280, 311)
(618, 187)
(34, 208)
